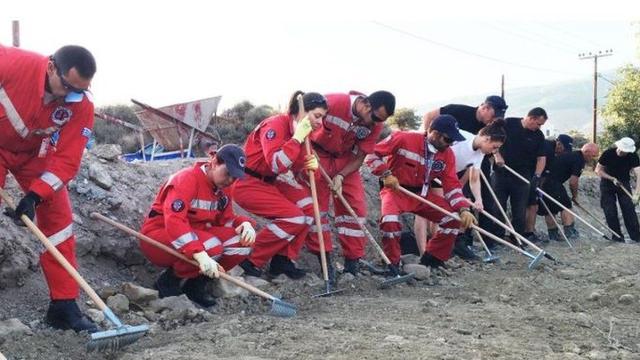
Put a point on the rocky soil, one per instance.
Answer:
(585, 307)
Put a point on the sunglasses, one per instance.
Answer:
(64, 82)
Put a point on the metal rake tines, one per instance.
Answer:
(536, 260)
(282, 308)
(398, 279)
(115, 339)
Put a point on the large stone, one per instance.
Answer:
(421, 272)
(626, 299)
(95, 315)
(172, 302)
(138, 294)
(118, 303)
(99, 175)
(256, 281)
(225, 289)
(109, 152)
(13, 327)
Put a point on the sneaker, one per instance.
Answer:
(534, 238)
(429, 260)
(554, 234)
(571, 232)
(250, 269)
(65, 315)
(283, 265)
(462, 250)
(352, 266)
(168, 284)
(196, 290)
(394, 270)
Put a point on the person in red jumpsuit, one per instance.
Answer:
(413, 160)
(274, 189)
(46, 118)
(348, 133)
(193, 214)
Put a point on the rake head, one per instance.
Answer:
(328, 291)
(282, 309)
(398, 279)
(115, 339)
(536, 260)
(490, 258)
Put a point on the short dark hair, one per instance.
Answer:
(538, 112)
(73, 56)
(311, 100)
(495, 131)
(383, 98)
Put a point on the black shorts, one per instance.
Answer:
(557, 191)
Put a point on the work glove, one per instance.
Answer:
(208, 266)
(247, 233)
(391, 182)
(337, 184)
(467, 219)
(303, 129)
(533, 186)
(616, 182)
(311, 163)
(26, 206)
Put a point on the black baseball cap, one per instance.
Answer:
(498, 104)
(566, 141)
(447, 125)
(233, 156)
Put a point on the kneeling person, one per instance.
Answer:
(193, 214)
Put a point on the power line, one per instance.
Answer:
(605, 79)
(565, 32)
(545, 37)
(470, 53)
(543, 42)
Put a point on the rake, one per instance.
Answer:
(110, 340)
(396, 277)
(596, 219)
(490, 258)
(555, 221)
(278, 307)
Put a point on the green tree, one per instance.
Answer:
(106, 132)
(404, 119)
(622, 109)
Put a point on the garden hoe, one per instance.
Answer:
(109, 340)
(396, 277)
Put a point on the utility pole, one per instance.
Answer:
(595, 56)
(502, 87)
(16, 33)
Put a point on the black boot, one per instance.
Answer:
(352, 266)
(462, 250)
(196, 291)
(65, 315)
(250, 269)
(394, 270)
(571, 232)
(554, 235)
(283, 265)
(331, 271)
(429, 260)
(168, 284)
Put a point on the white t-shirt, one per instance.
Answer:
(465, 155)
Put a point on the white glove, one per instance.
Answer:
(208, 266)
(337, 184)
(247, 233)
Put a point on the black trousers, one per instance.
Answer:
(510, 188)
(609, 193)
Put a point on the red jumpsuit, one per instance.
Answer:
(406, 160)
(41, 145)
(191, 215)
(340, 139)
(273, 189)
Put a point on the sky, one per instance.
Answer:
(166, 52)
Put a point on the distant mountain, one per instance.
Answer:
(568, 104)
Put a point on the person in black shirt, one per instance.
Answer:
(552, 148)
(471, 119)
(523, 152)
(566, 166)
(613, 168)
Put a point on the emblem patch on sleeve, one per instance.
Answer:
(438, 165)
(177, 205)
(61, 115)
(86, 132)
(271, 134)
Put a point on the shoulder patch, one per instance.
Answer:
(177, 205)
(61, 115)
(86, 132)
(271, 134)
(438, 165)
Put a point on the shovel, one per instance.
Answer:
(110, 340)
(278, 307)
(396, 277)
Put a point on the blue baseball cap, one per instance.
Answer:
(233, 156)
(566, 141)
(447, 125)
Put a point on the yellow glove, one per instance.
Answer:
(337, 184)
(467, 219)
(311, 162)
(303, 129)
(208, 266)
(391, 182)
(247, 233)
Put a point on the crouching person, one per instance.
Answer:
(412, 160)
(193, 214)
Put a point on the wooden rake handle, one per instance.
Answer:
(56, 253)
(163, 247)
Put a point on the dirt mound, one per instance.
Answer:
(584, 308)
